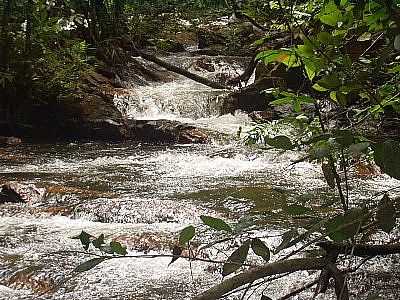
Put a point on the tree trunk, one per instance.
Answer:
(5, 43)
(28, 52)
(5, 88)
(118, 15)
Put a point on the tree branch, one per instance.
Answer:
(361, 250)
(175, 69)
(251, 275)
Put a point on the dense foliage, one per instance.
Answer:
(46, 46)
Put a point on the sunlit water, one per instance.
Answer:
(143, 195)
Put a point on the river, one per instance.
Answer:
(143, 195)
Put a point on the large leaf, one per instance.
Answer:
(85, 239)
(90, 264)
(386, 214)
(176, 253)
(396, 42)
(345, 226)
(260, 249)
(186, 235)
(117, 248)
(216, 223)
(330, 14)
(236, 260)
(329, 175)
(280, 142)
(326, 38)
(359, 147)
(330, 81)
(287, 237)
(99, 242)
(344, 137)
(387, 157)
(320, 149)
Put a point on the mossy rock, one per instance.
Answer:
(168, 45)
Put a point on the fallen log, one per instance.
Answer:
(175, 69)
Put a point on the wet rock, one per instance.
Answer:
(13, 192)
(253, 97)
(90, 112)
(264, 115)
(9, 141)
(165, 131)
(208, 37)
(169, 45)
(235, 39)
(270, 76)
(204, 64)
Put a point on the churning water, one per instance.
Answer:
(142, 195)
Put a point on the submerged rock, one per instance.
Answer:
(165, 131)
(14, 192)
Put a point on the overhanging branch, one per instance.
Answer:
(280, 267)
(361, 250)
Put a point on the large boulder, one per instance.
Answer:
(253, 98)
(86, 113)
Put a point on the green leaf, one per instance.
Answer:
(176, 253)
(97, 243)
(326, 38)
(319, 88)
(305, 50)
(345, 226)
(280, 142)
(317, 138)
(260, 249)
(345, 138)
(330, 81)
(386, 214)
(359, 147)
(186, 235)
(282, 101)
(236, 260)
(216, 223)
(320, 149)
(328, 174)
(85, 239)
(117, 248)
(338, 97)
(330, 14)
(90, 264)
(386, 156)
(287, 237)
